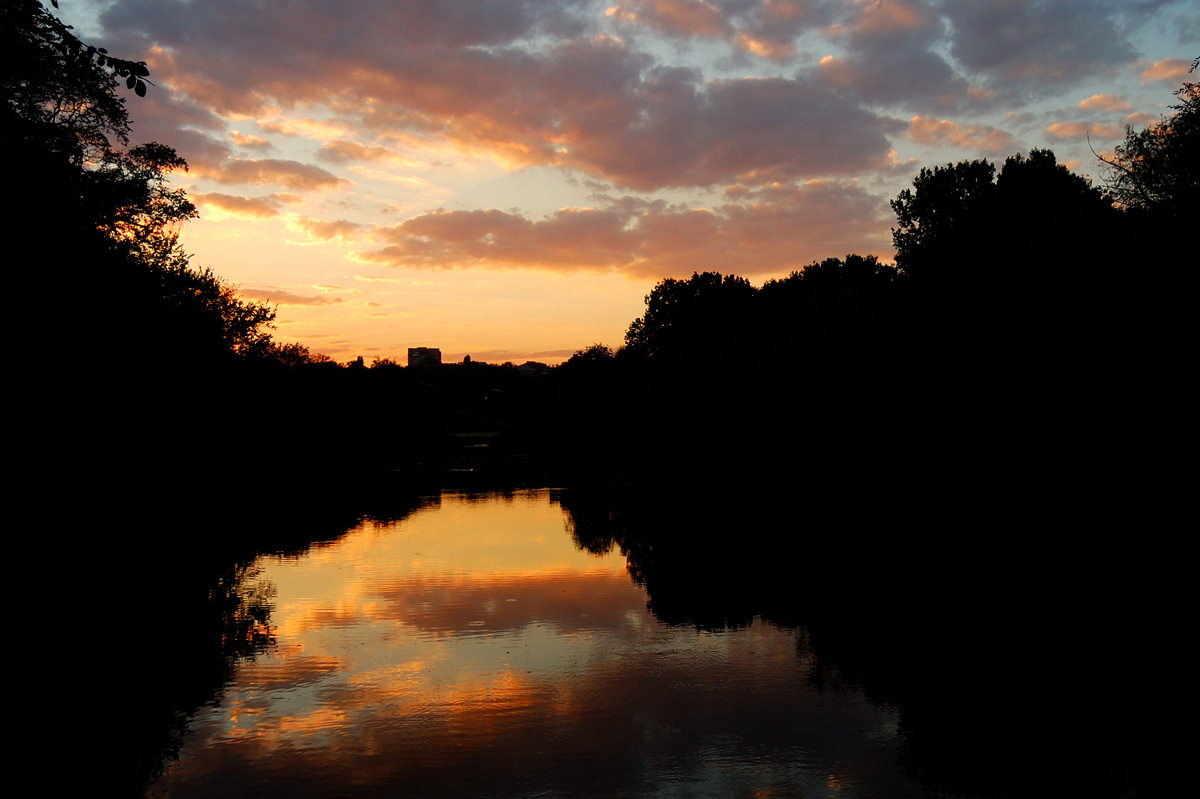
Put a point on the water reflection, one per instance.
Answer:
(472, 649)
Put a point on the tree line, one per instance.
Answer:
(1011, 282)
(1025, 347)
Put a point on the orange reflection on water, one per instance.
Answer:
(471, 649)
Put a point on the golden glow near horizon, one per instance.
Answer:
(443, 588)
(473, 637)
(511, 184)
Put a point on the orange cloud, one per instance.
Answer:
(1105, 102)
(1078, 130)
(891, 16)
(570, 238)
(321, 230)
(771, 229)
(927, 130)
(765, 29)
(343, 151)
(248, 207)
(248, 141)
(675, 17)
(1168, 69)
(765, 48)
(291, 174)
(590, 103)
(281, 297)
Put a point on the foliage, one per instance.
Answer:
(60, 93)
(685, 317)
(1158, 169)
(384, 363)
(939, 214)
(962, 226)
(133, 200)
(833, 298)
(293, 355)
(596, 361)
(854, 270)
(104, 212)
(597, 353)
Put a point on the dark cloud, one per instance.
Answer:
(202, 152)
(766, 28)
(436, 71)
(690, 134)
(1037, 46)
(676, 18)
(891, 56)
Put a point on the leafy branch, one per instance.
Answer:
(135, 73)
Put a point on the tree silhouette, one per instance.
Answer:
(1158, 169)
(61, 94)
(940, 217)
(103, 215)
(829, 299)
(693, 319)
(1003, 255)
(589, 360)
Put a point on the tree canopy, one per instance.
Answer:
(104, 213)
(686, 318)
(940, 213)
(1158, 169)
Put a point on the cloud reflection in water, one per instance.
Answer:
(471, 650)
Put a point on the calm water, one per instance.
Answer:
(473, 650)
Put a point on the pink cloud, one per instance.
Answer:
(592, 104)
(290, 174)
(253, 207)
(1079, 130)
(1168, 69)
(248, 141)
(766, 28)
(344, 152)
(571, 238)
(768, 230)
(1105, 102)
(985, 138)
(281, 297)
(321, 230)
(688, 18)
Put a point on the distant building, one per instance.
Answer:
(533, 369)
(424, 356)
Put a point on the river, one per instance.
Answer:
(473, 649)
(552, 644)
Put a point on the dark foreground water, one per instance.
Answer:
(547, 644)
(472, 649)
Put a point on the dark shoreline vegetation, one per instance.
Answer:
(969, 445)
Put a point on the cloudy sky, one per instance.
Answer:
(509, 178)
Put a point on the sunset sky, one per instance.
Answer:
(509, 178)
